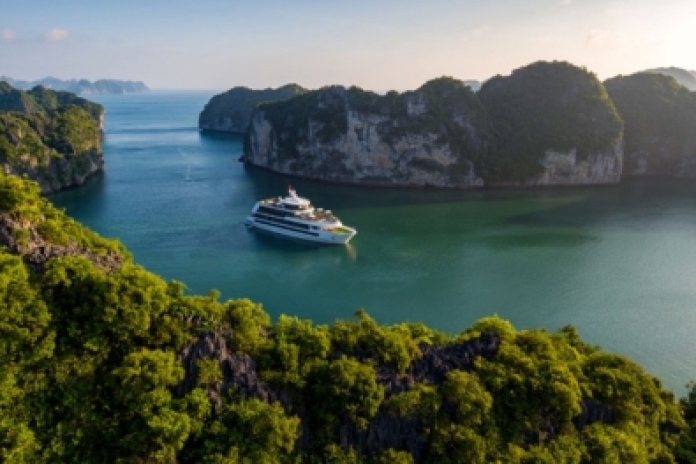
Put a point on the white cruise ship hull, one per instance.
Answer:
(315, 236)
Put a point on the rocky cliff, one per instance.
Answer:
(51, 137)
(231, 111)
(660, 118)
(555, 125)
(431, 137)
(546, 124)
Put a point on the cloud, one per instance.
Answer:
(565, 2)
(56, 35)
(8, 35)
(478, 32)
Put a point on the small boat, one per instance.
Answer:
(294, 217)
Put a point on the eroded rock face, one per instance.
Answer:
(564, 169)
(60, 172)
(548, 124)
(387, 429)
(36, 251)
(660, 118)
(352, 136)
(238, 370)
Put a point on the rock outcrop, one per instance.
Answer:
(25, 240)
(60, 172)
(387, 429)
(231, 111)
(555, 125)
(238, 370)
(430, 137)
(660, 118)
(547, 124)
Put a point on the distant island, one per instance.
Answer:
(682, 76)
(81, 86)
(51, 137)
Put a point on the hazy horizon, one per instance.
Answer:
(215, 45)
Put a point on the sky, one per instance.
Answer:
(375, 44)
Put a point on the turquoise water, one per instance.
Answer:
(618, 263)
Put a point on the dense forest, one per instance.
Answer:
(546, 106)
(660, 119)
(52, 137)
(103, 361)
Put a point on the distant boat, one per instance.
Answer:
(294, 217)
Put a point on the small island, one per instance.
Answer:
(51, 137)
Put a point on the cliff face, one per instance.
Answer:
(660, 117)
(231, 111)
(547, 124)
(555, 125)
(430, 137)
(60, 172)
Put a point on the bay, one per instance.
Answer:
(619, 263)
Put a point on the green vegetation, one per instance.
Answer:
(91, 371)
(53, 137)
(682, 76)
(660, 117)
(231, 111)
(503, 131)
(546, 106)
(40, 99)
(451, 112)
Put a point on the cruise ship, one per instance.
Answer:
(294, 217)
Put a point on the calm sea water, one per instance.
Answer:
(618, 263)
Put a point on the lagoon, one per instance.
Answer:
(619, 263)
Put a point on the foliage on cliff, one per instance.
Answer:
(546, 105)
(660, 117)
(231, 111)
(53, 137)
(91, 371)
(682, 76)
(445, 107)
(502, 133)
(40, 99)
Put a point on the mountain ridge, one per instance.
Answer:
(81, 86)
